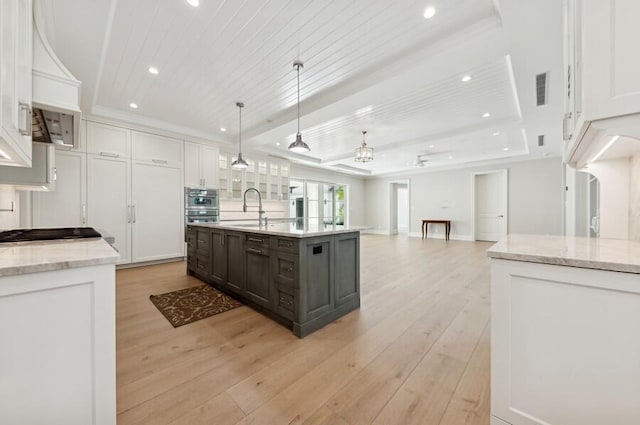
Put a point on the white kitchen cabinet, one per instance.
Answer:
(601, 69)
(16, 28)
(157, 220)
(109, 200)
(564, 341)
(40, 176)
(270, 177)
(200, 165)
(108, 140)
(156, 149)
(66, 206)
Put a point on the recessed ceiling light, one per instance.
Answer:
(431, 146)
(223, 129)
(429, 12)
(497, 133)
(277, 143)
(194, 3)
(486, 115)
(450, 157)
(133, 105)
(466, 78)
(153, 70)
(505, 149)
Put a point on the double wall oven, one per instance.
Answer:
(201, 205)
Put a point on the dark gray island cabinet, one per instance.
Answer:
(302, 279)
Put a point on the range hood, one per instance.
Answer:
(56, 92)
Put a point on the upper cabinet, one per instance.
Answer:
(156, 149)
(108, 140)
(269, 176)
(16, 28)
(200, 165)
(601, 73)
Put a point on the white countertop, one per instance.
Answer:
(592, 253)
(290, 230)
(32, 257)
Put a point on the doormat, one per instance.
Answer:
(192, 304)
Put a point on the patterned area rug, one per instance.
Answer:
(189, 305)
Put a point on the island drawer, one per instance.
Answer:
(202, 265)
(190, 239)
(257, 240)
(287, 244)
(285, 268)
(202, 240)
(285, 302)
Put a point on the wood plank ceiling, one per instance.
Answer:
(377, 65)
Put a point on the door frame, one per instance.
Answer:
(393, 205)
(504, 175)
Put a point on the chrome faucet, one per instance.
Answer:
(260, 210)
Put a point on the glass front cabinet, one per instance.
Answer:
(269, 176)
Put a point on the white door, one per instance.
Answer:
(158, 215)
(109, 200)
(490, 205)
(66, 206)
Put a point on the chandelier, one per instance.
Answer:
(364, 153)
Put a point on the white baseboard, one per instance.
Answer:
(452, 237)
(375, 232)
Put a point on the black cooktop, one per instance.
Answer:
(22, 235)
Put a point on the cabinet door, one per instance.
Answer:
(109, 200)
(192, 177)
(610, 60)
(209, 166)
(15, 81)
(218, 257)
(156, 149)
(235, 262)
(66, 206)
(157, 214)
(108, 141)
(259, 288)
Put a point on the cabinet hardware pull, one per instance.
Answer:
(290, 269)
(128, 213)
(200, 241)
(159, 161)
(222, 238)
(255, 251)
(84, 213)
(286, 245)
(26, 108)
(110, 154)
(256, 240)
(133, 208)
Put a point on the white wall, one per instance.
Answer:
(536, 198)
(356, 193)
(613, 175)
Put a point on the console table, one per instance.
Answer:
(447, 227)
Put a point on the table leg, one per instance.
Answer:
(423, 230)
(448, 229)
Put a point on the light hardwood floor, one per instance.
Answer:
(416, 352)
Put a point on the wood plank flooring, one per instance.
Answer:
(416, 352)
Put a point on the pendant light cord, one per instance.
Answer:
(298, 69)
(240, 127)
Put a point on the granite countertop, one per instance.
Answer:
(32, 257)
(290, 230)
(592, 253)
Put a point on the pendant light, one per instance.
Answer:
(364, 153)
(239, 164)
(298, 146)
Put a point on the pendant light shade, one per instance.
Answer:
(240, 163)
(299, 146)
(364, 153)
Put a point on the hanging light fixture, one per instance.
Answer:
(239, 164)
(364, 153)
(298, 146)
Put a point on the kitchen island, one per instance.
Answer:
(57, 332)
(304, 278)
(565, 320)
